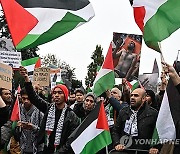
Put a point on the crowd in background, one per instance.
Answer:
(46, 123)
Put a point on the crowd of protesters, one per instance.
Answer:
(45, 126)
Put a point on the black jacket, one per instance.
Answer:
(146, 121)
(4, 114)
(70, 123)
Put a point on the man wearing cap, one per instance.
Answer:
(59, 120)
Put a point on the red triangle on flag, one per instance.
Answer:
(15, 116)
(108, 62)
(102, 120)
(129, 84)
(19, 20)
(38, 63)
(19, 89)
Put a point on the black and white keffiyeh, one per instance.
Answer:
(51, 121)
(131, 124)
(28, 139)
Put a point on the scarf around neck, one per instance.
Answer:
(51, 122)
(29, 137)
(131, 124)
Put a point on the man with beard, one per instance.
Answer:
(59, 120)
(6, 95)
(127, 61)
(136, 121)
(5, 130)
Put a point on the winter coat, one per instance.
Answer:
(146, 121)
(71, 121)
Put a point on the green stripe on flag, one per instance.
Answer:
(136, 85)
(98, 143)
(68, 22)
(30, 61)
(155, 138)
(104, 83)
(165, 21)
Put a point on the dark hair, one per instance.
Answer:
(151, 94)
(1, 89)
(23, 92)
(80, 90)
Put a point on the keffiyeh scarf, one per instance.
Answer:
(28, 139)
(131, 124)
(50, 124)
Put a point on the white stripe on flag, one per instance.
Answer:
(30, 68)
(87, 135)
(48, 16)
(165, 124)
(151, 7)
(102, 72)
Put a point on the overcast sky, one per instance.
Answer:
(77, 46)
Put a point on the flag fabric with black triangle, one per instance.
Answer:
(93, 134)
(31, 64)
(156, 19)
(35, 22)
(134, 84)
(105, 78)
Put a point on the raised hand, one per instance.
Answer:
(24, 73)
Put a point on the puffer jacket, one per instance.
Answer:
(71, 121)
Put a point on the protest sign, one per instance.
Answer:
(6, 45)
(126, 55)
(5, 76)
(55, 77)
(11, 58)
(41, 76)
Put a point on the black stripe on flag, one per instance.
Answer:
(30, 73)
(93, 115)
(56, 4)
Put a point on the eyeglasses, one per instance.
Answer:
(88, 100)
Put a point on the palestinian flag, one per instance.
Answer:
(168, 117)
(105, 78)
(15, 115)
(156, 19)
(93, 134)
(35, 22)
(134, 85)
(31, 64)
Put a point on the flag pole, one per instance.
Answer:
(177, 56)
(107, 150)
(162, 57)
